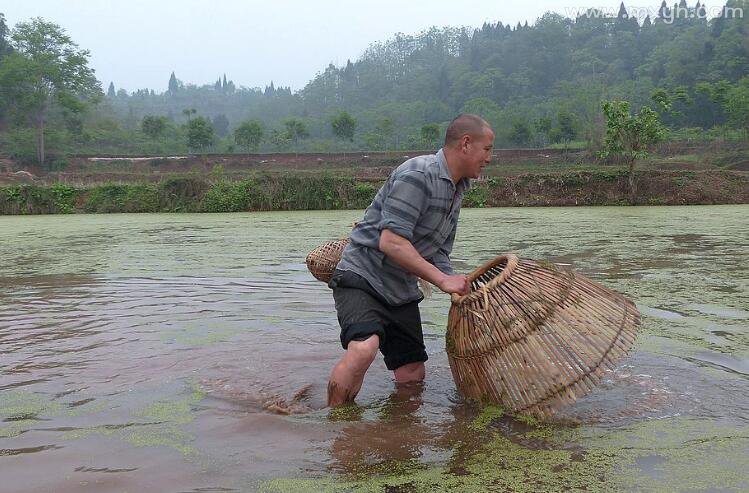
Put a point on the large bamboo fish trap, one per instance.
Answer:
(533, 337)
(322, 261)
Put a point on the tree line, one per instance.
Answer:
(538, 84)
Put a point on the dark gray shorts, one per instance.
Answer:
(363, 312)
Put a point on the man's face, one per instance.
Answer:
(478, 153)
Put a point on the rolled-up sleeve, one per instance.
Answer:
(405, 201)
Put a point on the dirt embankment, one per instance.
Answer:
(654, 187)
(87, 169)
(293, 191)
(223, 183)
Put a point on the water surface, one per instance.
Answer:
(191, 353)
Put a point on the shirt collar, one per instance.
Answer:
(463, 183)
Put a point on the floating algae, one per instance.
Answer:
(485, 417)
(19, 405)
(16, 428)
(687, 454)
(102, 430)
(19, 411)
(500, 465)
(163, 436)
(690, 454)
(348, 412)
(160, 424)
(168, 416)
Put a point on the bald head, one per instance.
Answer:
(465, 124)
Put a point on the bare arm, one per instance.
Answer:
(403, 253)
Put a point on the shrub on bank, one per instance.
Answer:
(122, 198)
(287, 192)
(227, 197)
(32, 199)
(182, 193)
(326, 191)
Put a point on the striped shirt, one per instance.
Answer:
(418, 202)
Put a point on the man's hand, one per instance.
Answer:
(457, 284)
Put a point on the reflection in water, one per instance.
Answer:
(193, 350)
(399, 434)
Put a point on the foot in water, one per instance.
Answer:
(298, 404)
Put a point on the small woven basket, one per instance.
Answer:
(322, 261)
(533, 337)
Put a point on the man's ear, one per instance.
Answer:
(464, 140)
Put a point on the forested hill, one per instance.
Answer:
(537, 84)
(525, 73)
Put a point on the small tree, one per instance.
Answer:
(543, 129)
(46, 70)
(344, 126)
(5, 47)
(199, 133)
(153, 126)
(520, 133)
(733, 100)
(221, 125)
(280, 139)
(661, 97)
(173, 85)
(430, 134)
(566, 127)
(188, 112)
(736, 104)
(384, 128)
(295, 130)
(249, 134)
(379, 138)
(629, 136)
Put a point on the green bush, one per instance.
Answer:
(227, 197)
(181, 193)
(364, 193)
(294, 192)
(32, 199)
(476, 196)
(10, 200)
(123, 198)
(22, 145)
(64, 197)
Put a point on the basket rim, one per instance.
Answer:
(512, 261)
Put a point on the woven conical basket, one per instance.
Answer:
(322, 261)
(533, 337)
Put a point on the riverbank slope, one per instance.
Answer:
(676, 175)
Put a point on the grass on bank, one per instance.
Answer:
(190, 194)
(325, 191)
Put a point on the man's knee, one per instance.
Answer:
(410, 372)
(362, 353)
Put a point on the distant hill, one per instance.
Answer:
(538, 85)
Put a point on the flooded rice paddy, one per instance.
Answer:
(191, 353)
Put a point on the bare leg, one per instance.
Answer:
(348, 374)
(409, 373)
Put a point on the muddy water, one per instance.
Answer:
(191, 353)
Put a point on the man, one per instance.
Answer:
(407, 232)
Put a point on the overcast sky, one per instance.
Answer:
(138, 43)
